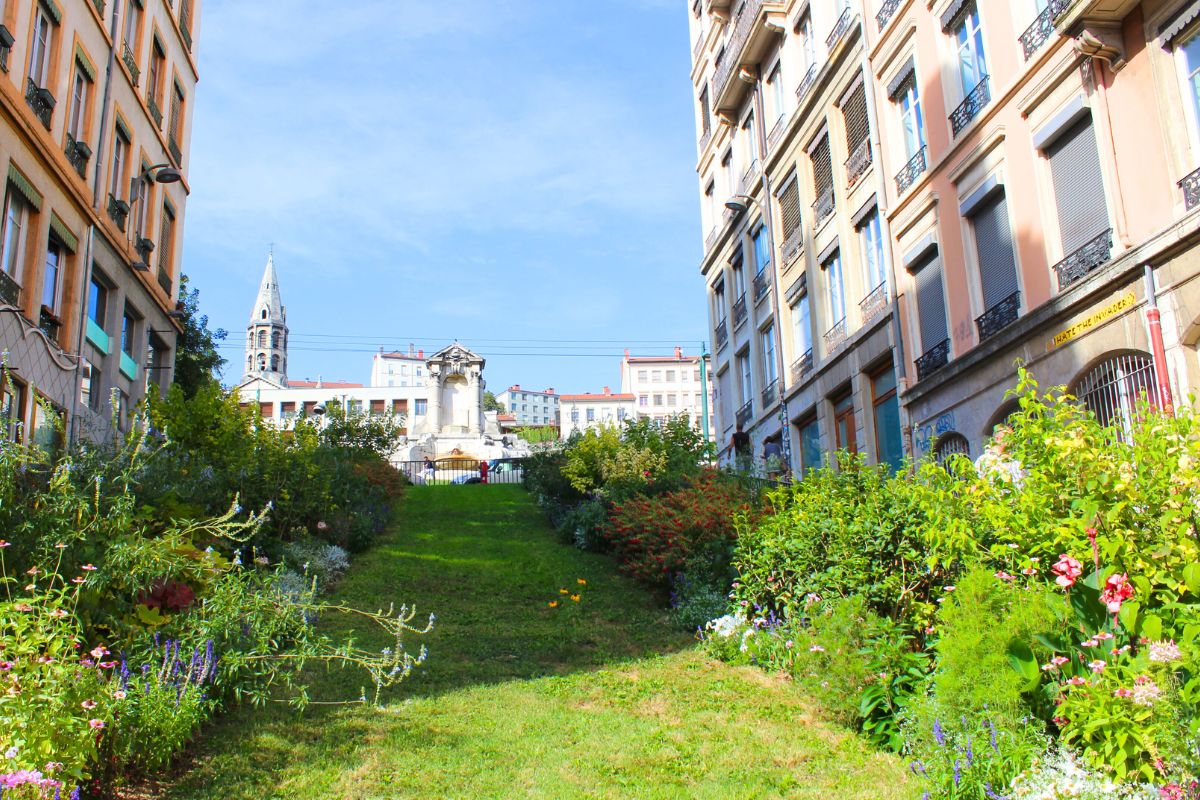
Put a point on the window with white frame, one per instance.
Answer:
(762, 252)
(837, 288)
(16, 215)
(777, 93)
(39, 51)
(871, 241)
(972, 64)
(912, 124)
(747, 384)
(767, 338)
(801, 326)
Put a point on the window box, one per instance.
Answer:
(129, 367)
(98, 338)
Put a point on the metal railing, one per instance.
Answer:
(859, 162)
(972, 104)
(78, 154)
(1042, 28)
(1113, 388)
(155, 111)
(135, 73)
(185, 22)
(839, 29)
(6, 43)
(770, 394)
(722, 333)
(823, 207)
(793, 246)
(999, 316)
(934, 359)
(777, 131)
(41, 101)
(748, 177)
(1190, 185)
(762, 284)
(1084, 260)
(711, 239)
(802, 365)
(173, 149)
(165, 280)
(806, 83)
(49, 324)
(118, 212)
(745, 414)
(875, 303)
(914, 169)
(739, 311)
(886, 11)
(458, 471)
(698, 47)
(10, 290)
(706, 137)
(744, 24)
(835, 337)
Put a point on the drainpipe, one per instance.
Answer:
(1158, 348)
(84, 290)
(704, 388)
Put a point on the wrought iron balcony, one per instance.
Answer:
(770, 394)
(698, 47)
(1042, 28)
(839, 29)
(793, 246)
(1084, 260)
(706, 137)
(875, 303)
(858, 162)
(155, 112)
(10, 290)
(835, 337)
(937, 357)
(743, 25)
(164, 280)
(173, 149)
(118, 211)
(50, 324)
(135, 73)
(748, 177)
(1191, 190)
(777, 132)
(762, 284)
(886, 11)
(806, 83)
(970, 107)
(914, 169)
(78, 154)
(722, 333)
(185, 22)
(823, 207)
(711, 239)
(802, 365)
(745, 414)
(41, 101)
(999, 316)
(739, 312)
(6, 44)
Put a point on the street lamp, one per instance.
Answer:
(158, 173)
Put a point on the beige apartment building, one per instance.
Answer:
(95, 123)
(670, 386)
(951, 186)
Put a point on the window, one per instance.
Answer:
(810, 445)
(911, 121)
(166, 246)
(89, 386)
(97, 303)
(119, 163)
(176, 122)
(156, 77)
(719, 312)
(767, 337)
(749, 142)
(656, 376)
(643, 400)
(51, 276)
(670, 378)
(889, 448)
(762, 252)
(1191, 69)
(747, 385)
(843, 424)
(129, 331)
(822, 167)
(739, 278)
(871, 239)
(789, 211)
(775, 90)
(931, 306)
(705, 112)
(16, 214)
(854, 116)
(802, 326)
(696, 375)
(591, 415)
(12, 408)
(643, 375)
(133, 24)
(262, 339)
(951, 444)
(672, 400)
(972, 65)
(1078, 186)
(39, 52)
(81, 90)
(1112, 389)
(837, 288)
(807, 39)
(420, 407)
(994, 245)
(658, 399)
(47, 426)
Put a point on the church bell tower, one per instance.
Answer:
(267, 333)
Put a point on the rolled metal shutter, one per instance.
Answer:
(993, 239)
(931, 305)
(1078, 186)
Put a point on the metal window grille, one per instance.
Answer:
(822, 167)
(1112, 389)
(789, 209)
(951, 444)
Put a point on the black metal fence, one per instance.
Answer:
(458, 471)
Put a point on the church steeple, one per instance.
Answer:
(267, 333)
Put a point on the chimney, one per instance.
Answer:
(516, 387)
(626, 353)
(607, 390)
(320, 384)
(550, 390)
(420, 354)
(678, 353)
(410, 349)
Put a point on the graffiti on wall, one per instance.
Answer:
(925, 435)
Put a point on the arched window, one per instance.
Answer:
(274, 363)
(275, 339)
(950, 444)
(249, 361)
(264, 313)
(1112, 389)
(262, 338)
(262, 362)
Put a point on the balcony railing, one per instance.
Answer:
(118, 211)
(762, 284)
(970, 107)
(802, 365)
(185, 22)
(839, 29)
(135, 73)
(999, 316)
(706, 137)
(835, 336)
(1084, 260)
(10, 290)
(886, 11)
(155, 112)
(1191, 190)
(823, 207)
(770, 394)
(6, 44)
(937, 357)
(50, 324)
(173, 149)
(711, 239)
(728, 68)
(748, 177)
(777, 132)
(164, 280)
(722, 333)
(1042, 28)
(78, 154)
(698, 47)
(806, 83)
(745, 414)
(739, 311)
(41, 101)
(914, 169)
(858, 163)
(99, 4)
(793, 246)
(875, 303)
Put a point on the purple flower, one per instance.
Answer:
(938, 734)
(992, 733)
(970, 753)
(957, 772)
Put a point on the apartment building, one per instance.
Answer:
(1041, 201)
(668, 386)
(399, 368)
(796, 257)
(95, 124)
(581, 412)
(529, 407)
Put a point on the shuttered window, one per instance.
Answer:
(931, 305)
(725, 398)
(855, 113)
(789, 209)
(1078, 186)
(993, 241)
(822, 167)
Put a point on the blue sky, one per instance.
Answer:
(486, 170)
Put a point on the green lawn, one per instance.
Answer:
(599, 698)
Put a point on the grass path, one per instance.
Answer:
(595, 699)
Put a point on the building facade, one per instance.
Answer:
(582, 412)
(529, 407)
(997, 181)
(401, 369)
(95, 125)
(668, 386)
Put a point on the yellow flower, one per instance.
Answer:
(575, 598)
(581, 581)
(563, 591)
(553, 604)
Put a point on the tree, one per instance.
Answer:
(490, 403)
(197, 362)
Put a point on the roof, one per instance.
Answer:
(324, 385)
(595, 397)
(406, 356)
(671, 359)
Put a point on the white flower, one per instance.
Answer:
(1164, 652)
(11, 752)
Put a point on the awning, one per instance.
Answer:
(22, 184)
(1179, 22)
(907, 72)
(64, 234)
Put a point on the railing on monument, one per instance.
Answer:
(457, 471)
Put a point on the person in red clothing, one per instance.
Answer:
(483, 471)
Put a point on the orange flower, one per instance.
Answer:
(575, 598)
(581, 581)
(553, 604)
(563, 591)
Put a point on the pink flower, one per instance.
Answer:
(1058, 661)
(78, 580)
(107, 664)
(1078, 681)
(88, 568)
(99, 652)
(1164, 652)
(96, 724)
(119, 694)
(1029, 571)
(88, 704)
(58, 613)
(816, 648)
(5, 666)
(1122, 693)
(1068, 571)
(1004, 576)
(1089, 643)
(61, 546)
(1103, 636)
(1117, 590)
(1096, 666)
(5, 544)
